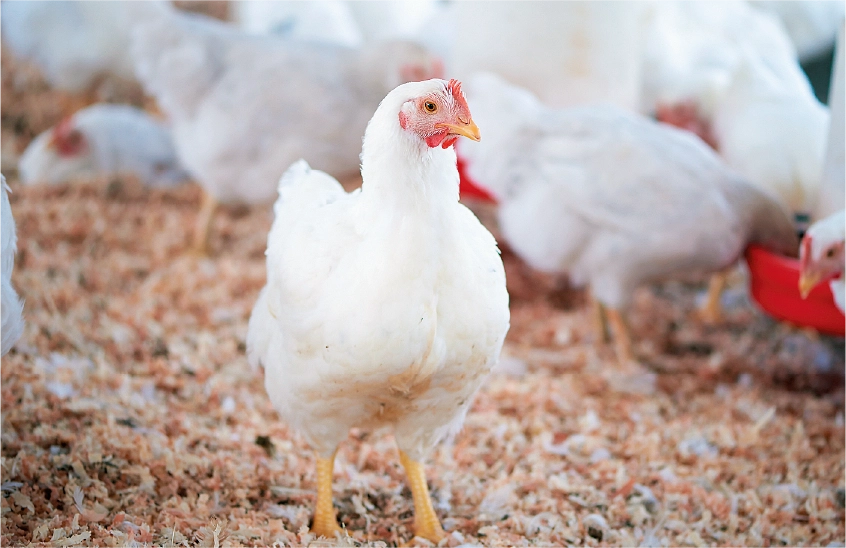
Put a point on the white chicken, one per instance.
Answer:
(611, 198)
(384, 307)
(832, 194)
(103, 140)
(74, 43)
(394, 19)
(316, 20)
(243, 108)
(11, 307)
(566, 53)
(692, 50)
(775, 138)
(811, 24)
(822, 257)
(729, 73)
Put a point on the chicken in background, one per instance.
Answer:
(349, 23)
(103, 140)
(384, 307)
(822, 257)
(11, 306)
(775, 138)
(81, 47)
(613, 199)
(317, 20)
(832, 193)
(729, 72)
(242, 108)
(397, 19)
(811, 24)
(566, 53)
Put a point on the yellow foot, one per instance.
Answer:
(712, 311)
(324, 523)
(426, 523)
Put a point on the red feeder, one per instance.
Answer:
(774, 285)
(468, 189)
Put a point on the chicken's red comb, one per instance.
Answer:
(454, 87)
(64, 127)
(66, 139)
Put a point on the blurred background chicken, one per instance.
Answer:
(566, 53)
(610, 198)
(103, 140)
(82, 48)
(730, 73)
(236, 137)
(11, 307)
(323, 21)
(385, 307)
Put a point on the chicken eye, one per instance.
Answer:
(430, 107)
(830, 253)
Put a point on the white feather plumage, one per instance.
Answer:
(72, 42)
(11, 307)
(316, 20)
(566, 53)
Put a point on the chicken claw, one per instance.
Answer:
(426, 523)
(324, 523)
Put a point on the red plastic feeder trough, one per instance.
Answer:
(774, 285)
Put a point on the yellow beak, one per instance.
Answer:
(807, 281)
(469, 130)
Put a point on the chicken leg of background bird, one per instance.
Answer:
(622, 337)
(712, 310)
(203, 226)
(324, 523)
(426, 523)
(599, 320)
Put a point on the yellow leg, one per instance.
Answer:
(204, 221)
(325, 524)
(622, 338)
(600, 325)
(712, 310)
(426, 523)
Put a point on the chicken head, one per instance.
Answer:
(439, 118)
